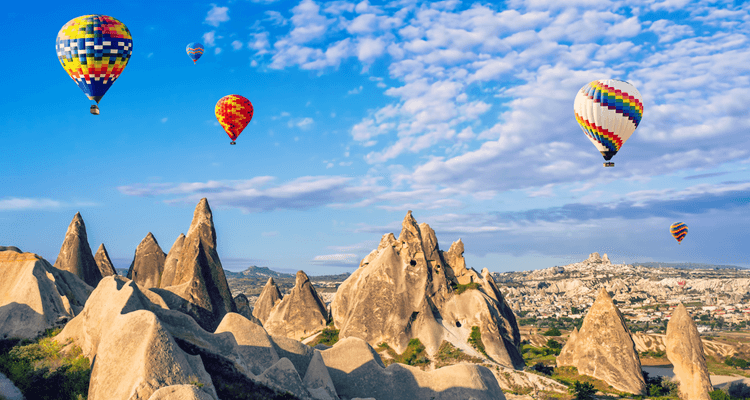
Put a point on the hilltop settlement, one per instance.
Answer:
(412, 322)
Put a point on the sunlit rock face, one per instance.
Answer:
(300, 313)
(685, 352)
(75, 254)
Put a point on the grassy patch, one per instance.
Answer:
(469, 286)
(449, 354)
(328, 336)
(475, 340)
(569, 375)
(413, 355)
(41, 370)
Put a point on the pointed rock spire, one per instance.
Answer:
(170, 264)
(75, 254)
(269, 297)
(104, 262)
(300, 313)
(199, 278)
(148, 263)
(604, 349)
(685, 352)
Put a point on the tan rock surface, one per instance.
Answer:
(170, 263)
(356, 371)
(104, 262)
(404, 290)
(181, 392)
(685, 352)
(269, 297)
(199, 277)
(318, 381)
(138, 357)
(603, 348)
(300, 313)
(283, 375)
(75, 254)
(35, 296)
(244, 309)
(148, 263)
(252, 340)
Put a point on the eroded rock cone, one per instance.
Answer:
(104, 262)
(685, 352)
(75, 254)
(408, 288)
(603, 348)
(199, 278)
(300, 313)
(148, 263)
(269, 297)
(170, 264)
(243, 308)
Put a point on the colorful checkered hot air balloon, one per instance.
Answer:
(679, 231)
(194, 51)
(234, 112)
(94, 50)
(608, 111)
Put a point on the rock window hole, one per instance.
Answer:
(458, 324)
(412, 263)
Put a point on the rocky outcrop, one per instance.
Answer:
(103, 262)
(356, 371)
(35, 296)
(300, 313)
(75, 254)
(685, 352)
(269, 297)
(148, 263)
(408, 288)
(603, 348)
(199, 278)
(170, 263)
(243, 308)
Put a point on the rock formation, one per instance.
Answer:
(243, 308)
(170, 264)
(603, 348)
(199, 278)
(356, 371)
(75, 254)
(35, 296)
(269, 297)
(300, 313)
(103, 262)
(685, 352)
(148, 263)
(408, 288)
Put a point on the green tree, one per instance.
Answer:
(553, 344)
(582, 390)
(552, 332)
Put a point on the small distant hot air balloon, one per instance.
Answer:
(608, 111)
(234, 112)
(94, 50)
(678, 230)
(194, 51)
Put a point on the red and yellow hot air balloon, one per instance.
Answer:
(94, 50)
(679, 231)
(234, 112)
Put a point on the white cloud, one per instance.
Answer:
(209, 39)
(163, 120)
(337, 259)
(217, 50)
(21, 203)
(355, 90)
(669, 31)
(236, 45)
(216, 15)
(276, 18)
(305, 122)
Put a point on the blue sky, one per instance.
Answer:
(459, 111)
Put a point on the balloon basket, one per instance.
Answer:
(232, 142)
(94, 110)
(609, 164)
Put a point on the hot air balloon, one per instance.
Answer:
(194, 51)
(234, 112)
(94, 50)
(679, 231)
(608, 111)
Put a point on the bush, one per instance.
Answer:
(582, 390)
(738, 390)
(475, 339)
(554, 344)
(462, 288)
(719, 394)
(552, 332)
(545, 369)
(736, 362)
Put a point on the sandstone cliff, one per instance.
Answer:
(300, 313)
(75, 254)
(148, 263)
(685, 352)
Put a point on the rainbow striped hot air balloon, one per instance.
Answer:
(678, 230)
(94, 50)
(608, 111)
(194, 51)
(234, 112)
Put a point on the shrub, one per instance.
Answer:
(552, 332)
(582, 390)
(719, 394)
(738, 390)
(553, 344)
(469, 286)
(475, 339)
(545, 369)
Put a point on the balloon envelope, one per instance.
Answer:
(234, 112)
(679, 231)
(608, 111)
(194, 51)
(94, 50)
